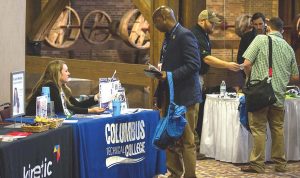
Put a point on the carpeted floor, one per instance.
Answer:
(211, 168)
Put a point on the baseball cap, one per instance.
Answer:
(210, 16)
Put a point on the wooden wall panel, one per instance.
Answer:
(132, 74)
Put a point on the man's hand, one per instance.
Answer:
(163, 76)
(233, 66)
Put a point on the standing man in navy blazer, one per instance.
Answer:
(180, 55)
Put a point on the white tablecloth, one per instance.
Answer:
(292, 129)
(225, 139)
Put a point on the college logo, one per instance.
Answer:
(125, 143)
(56, 151)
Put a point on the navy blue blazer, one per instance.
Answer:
(182, 58)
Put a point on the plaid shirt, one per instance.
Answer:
(283, 62)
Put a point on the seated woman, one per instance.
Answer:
(56, 77)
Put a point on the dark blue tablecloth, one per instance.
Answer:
(28, 120)
(119, 146)
(45, 154)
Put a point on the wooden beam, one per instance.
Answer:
(285, 11)
(132, 74)
(42, 25)
(145, 8)
(33, 9)
(190, 11)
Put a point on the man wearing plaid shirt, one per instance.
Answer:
(284, 71)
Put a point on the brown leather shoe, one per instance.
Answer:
(250, 169)
(200, 156)
(281, 169)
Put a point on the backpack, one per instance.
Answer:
(171, 127)
(244, 114)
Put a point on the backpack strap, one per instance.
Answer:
(270, 56)
(171, 87)
(270, 62)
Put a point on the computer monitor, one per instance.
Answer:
(17, 93)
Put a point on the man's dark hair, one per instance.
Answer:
(276, 24)
(258, 15)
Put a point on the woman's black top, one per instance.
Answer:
(76, 107)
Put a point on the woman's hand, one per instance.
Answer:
(96, 110)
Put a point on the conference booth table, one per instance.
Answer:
(87, 147)
(46, 154)
(118, 146)
(224, 138)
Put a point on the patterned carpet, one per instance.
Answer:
(211, 168)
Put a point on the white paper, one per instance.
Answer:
(41, 106)
(92, 116)
(17, 85)
(70, 121)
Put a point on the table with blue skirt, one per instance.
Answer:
(119, 146)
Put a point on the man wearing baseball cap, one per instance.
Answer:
(209, 15)
(205, 26)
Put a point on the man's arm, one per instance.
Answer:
(247, 67)
(218, 63)
(190, 57)
(294, 70)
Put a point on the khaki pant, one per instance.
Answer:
(257, 122)
(198, 136)
(181, 158)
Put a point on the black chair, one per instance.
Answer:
(5, 111)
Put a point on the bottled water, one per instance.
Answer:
(222, 88)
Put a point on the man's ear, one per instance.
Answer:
(268, 29)
(203, 20)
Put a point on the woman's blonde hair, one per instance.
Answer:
(52, 74)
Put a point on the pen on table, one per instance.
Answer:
(113, 75)
(135, 111)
